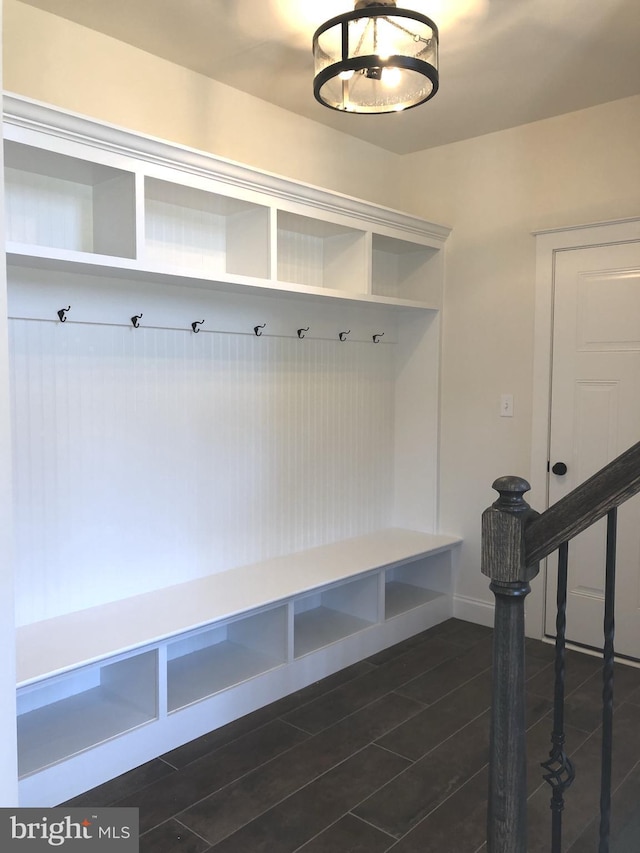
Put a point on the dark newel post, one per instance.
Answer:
(503, 560)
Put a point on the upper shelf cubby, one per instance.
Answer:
(320, 254)
(60, 202)
(400, 268)
(202, 231)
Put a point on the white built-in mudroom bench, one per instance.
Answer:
(225, 427)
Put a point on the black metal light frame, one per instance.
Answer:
(369, 64)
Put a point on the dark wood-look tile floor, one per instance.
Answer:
(387, 755)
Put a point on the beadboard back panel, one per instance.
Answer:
(148, 457)
(41, 209)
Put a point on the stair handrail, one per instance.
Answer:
(587, 503)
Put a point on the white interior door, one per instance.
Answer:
(595, 416)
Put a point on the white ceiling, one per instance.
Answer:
(502, 62)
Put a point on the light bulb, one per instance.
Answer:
(391, 77)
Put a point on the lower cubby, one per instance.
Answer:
(332, 614)
(67, 714)
(208, 661)
(416, 583)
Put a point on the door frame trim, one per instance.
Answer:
(548, 243)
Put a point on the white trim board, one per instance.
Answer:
(473, 610)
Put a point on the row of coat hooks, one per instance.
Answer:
(342, 336)
(257, 330)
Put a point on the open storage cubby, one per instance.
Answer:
(321, 254)
(333, 614)
(64, 715)
(214, 659)
(201, 230)
(400, 268)
(60, 202)
(416, 583)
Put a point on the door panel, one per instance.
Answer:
(595, 416)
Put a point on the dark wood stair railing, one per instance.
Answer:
(514, 540)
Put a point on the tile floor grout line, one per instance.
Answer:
(333, 823)
(415, 761)
(444, 695)
(281, 800)
(365, 675)
(434, 810)
(596, 819)
(397, 690)
(192, 831)
(368, 823)
(378, 746)
(319, 776)
(575, 689)
(217, 790)
(322, 731)
(397, 754)
(300, 729)
(359, 710)
(373, 793)
(301, 787)
(622, 781)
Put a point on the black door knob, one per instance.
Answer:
(559, 468)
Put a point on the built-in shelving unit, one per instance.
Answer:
(236, 494)
(213, 220)
(149, 674)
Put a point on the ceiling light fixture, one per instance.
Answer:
(376, 59)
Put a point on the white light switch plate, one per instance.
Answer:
(506, 405)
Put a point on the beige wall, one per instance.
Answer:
(495, 191)
(56, 61)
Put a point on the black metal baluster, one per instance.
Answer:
(560, 772)
(607, 682)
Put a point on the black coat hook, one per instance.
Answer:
(62, 314)
(376, 338)
(343, 335)
(135, 320)
(195, 325)
(301, 332)
(258, 329)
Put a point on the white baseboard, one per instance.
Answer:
(473, 610)
(482, 613)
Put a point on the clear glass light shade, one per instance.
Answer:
(376, 60)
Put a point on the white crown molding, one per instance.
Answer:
(35, 116)
(589, 227)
